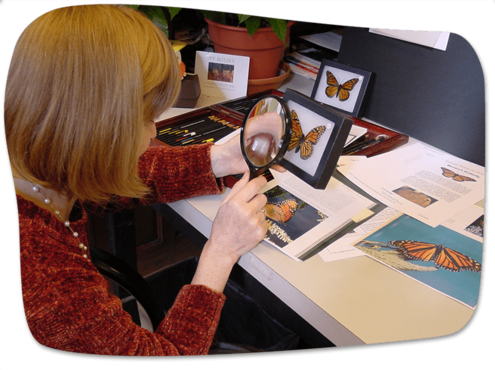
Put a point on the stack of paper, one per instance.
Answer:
(299, 216)
(421, 181)
(303, 65)
(432, 230)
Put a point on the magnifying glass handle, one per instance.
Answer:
(255, 173)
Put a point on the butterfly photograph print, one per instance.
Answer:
(341, 91)
(437, 257)
(281, 211)
(442, 256)
(304, 143)
(455, 176)
(288, 217)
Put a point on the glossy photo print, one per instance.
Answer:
(288, 217)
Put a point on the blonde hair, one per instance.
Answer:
(82, 83)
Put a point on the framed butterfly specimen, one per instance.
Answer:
(317, 139)
(343, 92)
(304, 143)
(342, 87)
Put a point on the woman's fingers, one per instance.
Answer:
(240, 224)
(278, 168)
(245, 190)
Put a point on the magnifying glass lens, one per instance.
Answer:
(265, 134)
(261, 149)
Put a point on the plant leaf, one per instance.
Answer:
(173, 11)
(252, 24)
(279, 26)
(242, 18)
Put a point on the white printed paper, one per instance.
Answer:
(418, 180)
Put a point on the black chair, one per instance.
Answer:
(129, 279)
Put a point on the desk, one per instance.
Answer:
(353, 301)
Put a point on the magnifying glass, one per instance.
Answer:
(265, 134)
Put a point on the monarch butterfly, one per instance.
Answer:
(334, 88)
(304, 143)
(442, 256)
(454, 176)
(281, 211)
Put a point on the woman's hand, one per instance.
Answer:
(227, 159)
(239, 224)
(238, 227)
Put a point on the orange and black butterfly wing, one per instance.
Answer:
(274, 212)
(281, 211)
(460, 178)
(307, 146)
(346, 87)
(289, 208)
(297, 134)
(454, 176)
(443, 257)
(302, 143)
(333, 86)
(452, 260)
(416, 250)
(335, 89)
(448, 173)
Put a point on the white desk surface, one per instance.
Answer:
(353, 301)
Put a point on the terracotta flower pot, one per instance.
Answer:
(263, 84)
(263, 48)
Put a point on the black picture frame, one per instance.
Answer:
(319, 167)
(343, 75)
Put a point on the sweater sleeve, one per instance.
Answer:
(73, 311)
(171, 174)
(175, 173)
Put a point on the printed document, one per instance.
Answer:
(423, 182)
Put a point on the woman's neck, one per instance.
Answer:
(58, 201)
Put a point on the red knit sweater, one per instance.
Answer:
(66, 300)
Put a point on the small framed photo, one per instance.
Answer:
(318, 137)
(342, 87)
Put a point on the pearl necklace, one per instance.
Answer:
(75, 234)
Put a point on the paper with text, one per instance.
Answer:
(418, 180)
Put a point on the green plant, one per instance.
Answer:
(251, 22)
(160, 15)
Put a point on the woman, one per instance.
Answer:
(84, 87)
